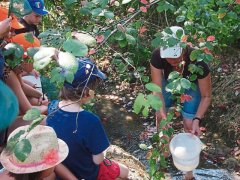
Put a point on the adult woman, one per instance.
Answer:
(163, 62)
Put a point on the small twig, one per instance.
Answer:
(165, 14)
(127, 21)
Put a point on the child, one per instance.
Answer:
(11, 76)
(45, 155)
(82, 130)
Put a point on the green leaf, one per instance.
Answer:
(35, 122)
(161, 6)
(145, 110)
(180, 19)
(84, 11)
(209, 57)
(168, 30)
(157, 42)
(75, 47)
(96, 12)
(29, 37)
(119, 36)
(69, 2)
(15, 49)
(154, 101)
(193, 77)
(126, 1)
(155, 138)
(103, 3)
(69, 77)
(123, 43)
(121, 67)
(170, 116)
(130, 39)
(173, 75)
(22, 149)
(170, 87)
(32, 51)
(138, 103)
(145, 78)
(172, 41)
(56, 76)
(153, 87)
(13, 140)
(109, 14)
(163, 123)
(179, 33)
(193, 86)
(32, 114)
(194, 54)
(186, 84)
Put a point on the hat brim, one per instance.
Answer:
(100, 74)
(7, 164)
(41, 12)
(171, 52)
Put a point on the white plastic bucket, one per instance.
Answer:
(185, 149)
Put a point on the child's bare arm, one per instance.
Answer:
(97, 159)
(63, 172)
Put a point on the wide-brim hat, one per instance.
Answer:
(14, 22)
(34, 164)
(175, 51)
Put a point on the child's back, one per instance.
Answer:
(84, 136)
(82, 130)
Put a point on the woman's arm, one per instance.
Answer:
(205, 87)
(64, 173)
(157, 76)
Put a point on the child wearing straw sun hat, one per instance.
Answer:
(82, 130)
(33, 154)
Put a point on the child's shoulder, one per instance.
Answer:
(90, 115)
(53, 105)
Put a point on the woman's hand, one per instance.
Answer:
(195, 128)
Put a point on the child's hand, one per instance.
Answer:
(5, 27)
(35, 73)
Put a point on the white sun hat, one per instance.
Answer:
(46, 150)
(175, 51)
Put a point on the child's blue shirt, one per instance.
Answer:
(89, 139)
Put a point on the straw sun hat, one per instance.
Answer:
(47, 151)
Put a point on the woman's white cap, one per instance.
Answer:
(175, 51)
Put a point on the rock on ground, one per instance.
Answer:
(137, 169)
